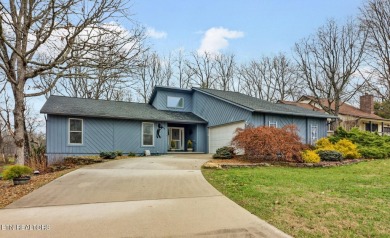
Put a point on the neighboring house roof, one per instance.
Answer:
(69, 106)
(259, 105)
(345, 108)
(303, 105)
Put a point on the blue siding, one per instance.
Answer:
(160, 101)
(101, 135)
(322, 128)
(202, 143)
(217, 112)
(303, 124)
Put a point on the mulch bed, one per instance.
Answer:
(240, 162)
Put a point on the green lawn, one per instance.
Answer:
(347, 201)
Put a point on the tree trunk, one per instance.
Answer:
(19, 123)
(27, 148)
(2, 157)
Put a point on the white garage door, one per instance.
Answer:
(220, 136)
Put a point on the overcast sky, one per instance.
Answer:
(247, 28)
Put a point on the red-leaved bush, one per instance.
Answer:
(270, 143)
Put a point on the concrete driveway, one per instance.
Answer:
(161, 196)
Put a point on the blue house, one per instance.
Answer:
(207, 117)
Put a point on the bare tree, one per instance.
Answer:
(375, 18)
(328, 62)
(6, 114)
(181, 73)
(153, 71)
(287, 82)
(108, 71)
(68, 30)
(202, 69)
(257, 81)
(225, 66)
(31, 123)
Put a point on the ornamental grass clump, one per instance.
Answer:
(269, 143)
(16, 171)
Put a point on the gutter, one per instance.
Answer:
(127, 118)
(297, 114)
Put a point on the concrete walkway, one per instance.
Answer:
(164, 196)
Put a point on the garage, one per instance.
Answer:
(222, 135)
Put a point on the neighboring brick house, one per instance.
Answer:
(350, 116)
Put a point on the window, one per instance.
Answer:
(75, 131)
(314, 134)
(147, 134)
(175, 102)
(371, 127)
(273, 124)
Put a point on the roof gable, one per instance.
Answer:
(169, 89)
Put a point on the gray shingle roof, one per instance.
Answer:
(259, 105)
(59, 105)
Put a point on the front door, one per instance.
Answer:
(176, 138)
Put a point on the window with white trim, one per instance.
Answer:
(175, 102)
(314, 134)
(147, 134)
(273, 124)
(75, 136)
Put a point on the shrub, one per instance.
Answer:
(131, 154)
(324, 144)
(310, 156)
(330, 155)
(189, 144)
(370, 145)
(82, 160)
(119, 153)
(225, 152)
(347, 148)
(108, 155)
(16, 171)
(270, 143)
(374, 153)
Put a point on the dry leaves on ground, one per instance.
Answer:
(10, 193)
